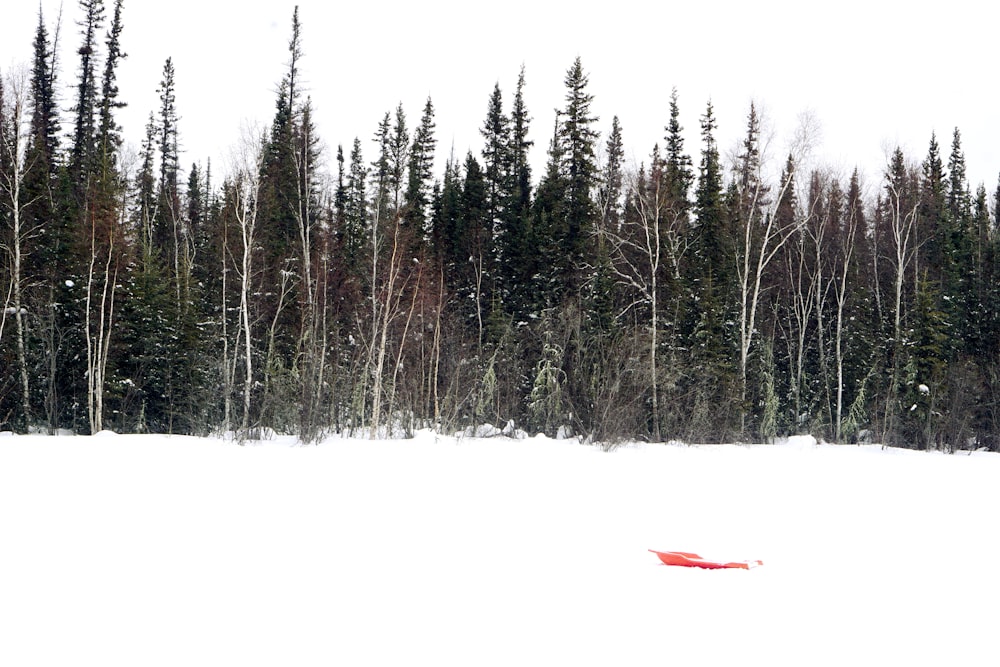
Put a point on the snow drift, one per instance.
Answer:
(154, 550)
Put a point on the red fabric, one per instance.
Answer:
(686, 559)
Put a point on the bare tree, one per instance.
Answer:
(639, 248)
(247, 160)
(762, 232)
(852, 222)
(388, 288)
(13, 145)
(902, 206)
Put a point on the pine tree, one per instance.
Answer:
(381, 173)
(678, 170)
(109, 135)
(548, 257)
(45, 252)
(85, 109)
(107, 250)
(958, 193)
(612, 179)
(579, 166)
(600, 303)
(713, 374)
(420, 174)
(936, 227)
(398, 158)
(355, 207)
(473, 240)
(959, 270)
(448, 220)
(516, 249)
(713, 247)
(167, 223)
(496, 156)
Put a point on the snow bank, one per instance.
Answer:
(152, 550)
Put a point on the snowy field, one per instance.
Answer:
(154, 550)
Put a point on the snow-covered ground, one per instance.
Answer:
(153, 550)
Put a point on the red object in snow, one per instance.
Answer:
(694, 560)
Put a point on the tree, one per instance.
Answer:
(355, 206)
(167, 230)
(579, 167)
(105, 212)
(515, 238)
(15, 241)
(497, 159)
(714, 242)
(547, 258)
(901, 206)
(847, 235)
(84, 133)
(762, 234)
(398, 158)
(637, 249)
(245, 191)
(610, 191)
(420, 174)
(678, 169)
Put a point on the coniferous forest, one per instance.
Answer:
(693, 297)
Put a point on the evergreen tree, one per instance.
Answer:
(712, 343)
(678, 170)
(420, 173)
(550, 261)
(960, 269)
(448, 221)
(496, 156)
(109, 134)
(41, 161)
(958, 189)
(167, 221)
(381, 173)
(85, 109)
(600, 303)
(935, 225)
(515, 240)
(713, 247)
(398, 158)
(473, 240)
(41, 181)
(579, 167)
(612, 179)
(355, 207)
(145, 201)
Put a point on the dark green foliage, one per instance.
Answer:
(713, 243)
(85, 108)
(579, 168)
(678, 169)
(596, 299)
(420, 173)
(515, 238)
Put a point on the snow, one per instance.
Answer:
(156, 550)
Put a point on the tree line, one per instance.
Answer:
(695, 298)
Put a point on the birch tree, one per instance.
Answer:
(13, 146)
(902, 208)
(762, 232)
(853, 222)
(245, 179)
(650, 236)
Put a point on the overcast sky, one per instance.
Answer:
(874, 74)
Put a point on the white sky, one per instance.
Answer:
(875, 74)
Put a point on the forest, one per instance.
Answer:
(697, 297)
